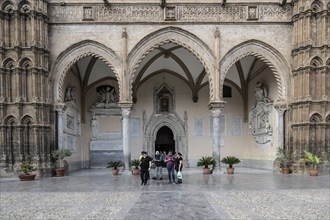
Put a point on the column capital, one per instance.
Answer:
(216, 108)
(217, 105)
(281, 107)
(123, 105)
(60, 107)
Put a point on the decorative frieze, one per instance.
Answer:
(178, 13)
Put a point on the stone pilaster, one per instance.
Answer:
(60, 108)
(281, 108)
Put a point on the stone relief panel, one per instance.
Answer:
(180, 13)
(72, 126)
(259, 116)
(107, 97)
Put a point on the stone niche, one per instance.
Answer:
(259, 116)
(106, 142)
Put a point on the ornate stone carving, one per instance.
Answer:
(259, 116)
(70, 94)
(107, 97)
(253, 13)
(170, 14)
(185, 13)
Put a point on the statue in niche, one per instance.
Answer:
(259, 115)
(164, 104)
(107, 97)
(70, 94)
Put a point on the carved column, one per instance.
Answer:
(281, 108)
(126, 111)
(216, 108)
(60, 108)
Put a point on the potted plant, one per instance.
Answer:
(285, 160)
(135, 163)
(205, 162)
(230, 160)
(59, 156)
(26, 168)
(114, 165)
(312, 161)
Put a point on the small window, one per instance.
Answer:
(226, 92)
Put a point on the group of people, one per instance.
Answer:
(173, 162)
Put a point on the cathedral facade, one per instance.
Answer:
(108, 79)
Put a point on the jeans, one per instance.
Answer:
(170, 171)
(159, 172)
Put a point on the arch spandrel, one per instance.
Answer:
(172, 35)
(268, 55)
(76, 52)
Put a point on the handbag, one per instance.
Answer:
(179, 175)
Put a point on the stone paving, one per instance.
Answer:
(96, 194)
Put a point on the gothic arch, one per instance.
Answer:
(316, 62)
(9, 63)
(267, 54)
(26, 119)
(327, 119)
(316, 117)
(316, 6)
(171, 121)
(7, 6)
(171, 35)
(76, 52)
(25, 63)
(10, 119)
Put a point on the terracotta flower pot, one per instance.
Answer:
(136, 172)
(60, 171)
(206, 170)
(230, 170)
(285, 170)
(115, 172)
(27, 177)
(313, 172)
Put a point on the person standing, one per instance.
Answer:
(169, 161)
(159, 167)
(145, 167)
(178, 166)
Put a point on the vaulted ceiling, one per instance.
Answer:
(172, 59)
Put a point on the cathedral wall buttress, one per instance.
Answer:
(307, 121)
(26, 113)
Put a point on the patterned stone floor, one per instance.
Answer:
(96, 194)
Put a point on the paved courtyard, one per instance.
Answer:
(96, 194)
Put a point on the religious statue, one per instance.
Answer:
(107, 96)
(70, 94)
(164, 104)
(259, 115)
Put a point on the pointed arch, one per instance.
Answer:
(76, 52)
(7, 6)
(24, 6)
(173, 122)
(25, 63)
(315, 117)
(316, 62)
(327, 119)
(9, 63)
(10, 119)
(316, 6)
(171, 35)
(26, 119)
(268, 55)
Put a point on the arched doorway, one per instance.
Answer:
(164, 140)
